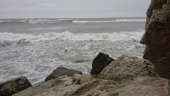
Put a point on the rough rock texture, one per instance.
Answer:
(130, 76)
(13, 86)
(157, 36)
(62, 71)
(145, 86)
(127, 68)
(68, 86)
(100, 62)
(155, 5)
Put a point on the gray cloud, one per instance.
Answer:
(72, 8)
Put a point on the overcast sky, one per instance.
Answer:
(72, 8)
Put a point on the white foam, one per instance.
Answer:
(130, 20)
(31, 20)
(83, 22)
(63, 19)
(42, 21)
(109, 21)
(37, 55)
(114, 36)
(80, 21)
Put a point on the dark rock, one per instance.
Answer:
(100, 62)
(14, 86)
(157, 36)
(62, 71)
(155, 5)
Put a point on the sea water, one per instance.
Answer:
(35, 47)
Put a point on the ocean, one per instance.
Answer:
(34, 47)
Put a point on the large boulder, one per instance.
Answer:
(127, 68)
(13, 86)
(85, 85)
(100, 62)
(157, 36)
(62, 71)
(71, 86)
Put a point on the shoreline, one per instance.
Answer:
(104, 72)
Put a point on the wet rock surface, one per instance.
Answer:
(60, 71)
(100, 62)
(13, 86)
(157, 36)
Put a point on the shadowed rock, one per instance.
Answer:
(100, 62)
(62, 71)
(13, 86)
(157, 36)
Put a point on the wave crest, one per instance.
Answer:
(114, 36)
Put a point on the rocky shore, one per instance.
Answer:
(124, 76)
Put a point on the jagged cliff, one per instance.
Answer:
(157, 36)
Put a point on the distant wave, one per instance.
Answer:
(35, 21)
(56, 20)
(130, 20)
(93, 21)
(110, 21)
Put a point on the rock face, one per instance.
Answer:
(127, 68)
(145, 86)
(155, 5)
(13, 86)
(157, 36)
(66, 86)
(62, 71)
(100, 62)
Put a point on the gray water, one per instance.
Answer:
(35, 47)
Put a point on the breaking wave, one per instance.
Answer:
(71, 20)
(36, 55)
(114, 36)
(130, 20)
(35, 20)
(93, 21)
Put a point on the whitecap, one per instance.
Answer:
(36, 55)
(83, 22)
(114, 36)
(130, 20)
